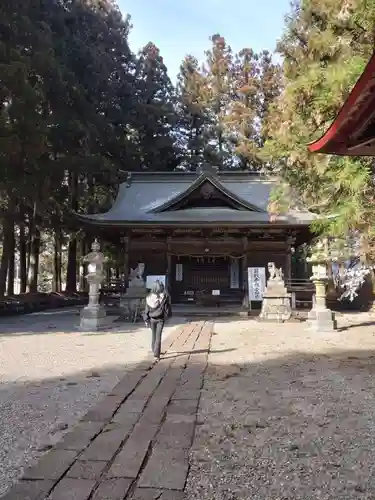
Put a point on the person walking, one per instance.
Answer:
(157, 311)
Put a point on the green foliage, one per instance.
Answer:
(325, 47)
(193, 112)
(217, 72)
(256, 84)
(156, 112)
(73, 112)
(224, 105)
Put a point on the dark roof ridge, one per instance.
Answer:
(224, 175)
(199, 181)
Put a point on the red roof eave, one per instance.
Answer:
(334, 141)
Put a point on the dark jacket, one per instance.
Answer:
(157, 307)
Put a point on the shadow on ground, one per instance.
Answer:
(294, 427)
(197, 351)
(63, 322)
(35, 414)
(356, 325)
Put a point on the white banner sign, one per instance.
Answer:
(257, 282)
(234, 273)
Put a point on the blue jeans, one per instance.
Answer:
(157, 326)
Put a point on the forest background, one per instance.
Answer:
(79, 109)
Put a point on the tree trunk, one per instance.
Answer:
(84, 249)
(6, 253)
(56, 285)
(11, 263)
(88, 243)
(71, 272)
(31, 232)
(34, 261)
(23, 258)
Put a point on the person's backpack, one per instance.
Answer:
(167, 309)
(161, 309)
(157, 312)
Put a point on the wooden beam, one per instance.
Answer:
(365, 143)
(157, 245)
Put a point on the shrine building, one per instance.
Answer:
(201, 230)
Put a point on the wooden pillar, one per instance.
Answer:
(118, 263)
(288, 259)
(245, 282)
(245, 242)
(288, 265)
(169, 263)
(126, 247)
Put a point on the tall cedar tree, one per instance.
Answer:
(66, 107)
(158, 118)
(89, 131)
(242, 113)
(325, 47)
(23, 116)
(192, 94)
(218, 74)
(256, 84)
(269, 89)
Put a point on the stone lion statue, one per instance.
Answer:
(272, 270)
(275, 274)
(136, 276)
(279, 275)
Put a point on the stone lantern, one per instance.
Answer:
(320, 318)
(93, 315)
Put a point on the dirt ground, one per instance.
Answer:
(286, 413)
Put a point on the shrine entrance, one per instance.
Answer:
(192, 275)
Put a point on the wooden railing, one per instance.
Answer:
(302, 292)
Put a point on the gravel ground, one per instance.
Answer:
(50, 375)
(287, 414)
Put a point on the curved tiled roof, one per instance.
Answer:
(142, 200)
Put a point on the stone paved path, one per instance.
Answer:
(134, 444)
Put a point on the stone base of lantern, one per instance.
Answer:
(93, 318)
(321, 320)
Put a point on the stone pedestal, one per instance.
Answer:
(93, 316)
(132, 302)
(276, 302)
(320, 318)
